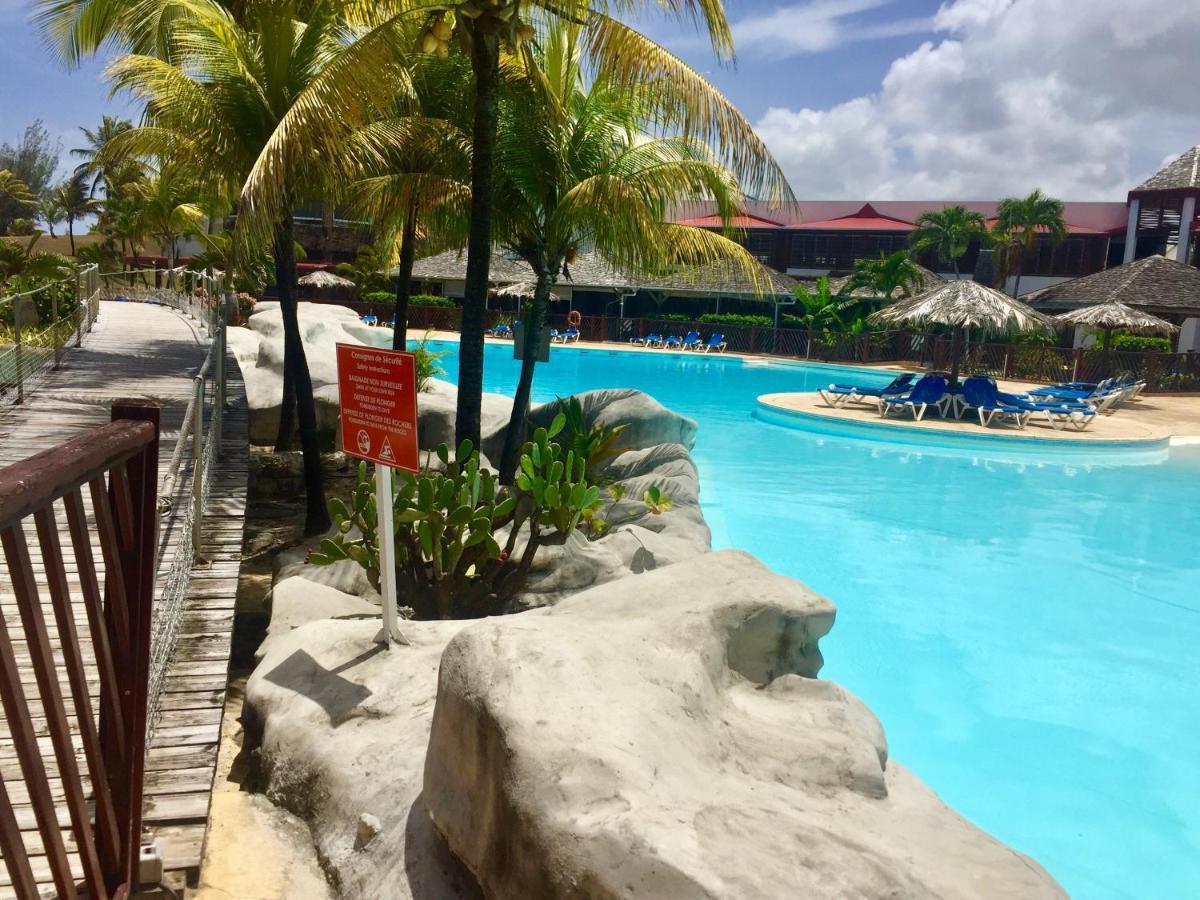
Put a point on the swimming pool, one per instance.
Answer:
(1026, 627)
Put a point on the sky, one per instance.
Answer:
(869, 99)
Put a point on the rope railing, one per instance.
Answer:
(29, 348)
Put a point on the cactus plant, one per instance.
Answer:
(449, 561)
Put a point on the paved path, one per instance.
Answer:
(137, 350)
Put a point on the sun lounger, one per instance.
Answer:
(1059, 414)
(929, 391)
(571, 334)
(649, 340)
(674, 342)
(980, 394)
(716, 342)
(692, 341)
(841, 394)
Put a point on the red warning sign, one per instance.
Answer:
(378, 390)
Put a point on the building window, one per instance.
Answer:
(761, 245)
(840, 250)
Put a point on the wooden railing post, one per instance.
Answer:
(137, 554)
(19, 355)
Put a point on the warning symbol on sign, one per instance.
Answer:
(385, 452)
(364, 442)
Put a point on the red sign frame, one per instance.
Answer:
(378, 393)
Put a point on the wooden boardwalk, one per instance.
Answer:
(138, 350)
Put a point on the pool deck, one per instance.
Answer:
(1150, 419)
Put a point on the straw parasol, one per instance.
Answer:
(963, 305)
(323, 279)
(1114, 314)
(523, 290)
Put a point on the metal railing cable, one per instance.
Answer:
(188, 478)
(31, 350)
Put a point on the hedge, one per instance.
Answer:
(383, 297)
(1137, 344)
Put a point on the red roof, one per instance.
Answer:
(734, 222)
(865, 219)
(1071, 229)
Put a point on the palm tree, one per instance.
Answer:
(1020, 221)
(168, 209)
(886, 275)
(14, 192)
(101, 165)
(74, 199)
(264, 105)
(686, 101)
(579, 166)
(419, 193)
(50, 211)
(948, 232)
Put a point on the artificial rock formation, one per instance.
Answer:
(667, 737)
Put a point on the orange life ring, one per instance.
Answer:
(573, 318)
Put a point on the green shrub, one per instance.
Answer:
(380, 298)
(730, 319)
(448, 559)
(1135, 343)
(595, 444)
(427, 363)
(431, 300)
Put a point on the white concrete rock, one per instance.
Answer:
(438, 406)
(665, 737)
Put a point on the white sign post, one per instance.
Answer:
(387, 555)
(377, 390)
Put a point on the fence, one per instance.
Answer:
(181, 507)
(31, 348)
(118, 463)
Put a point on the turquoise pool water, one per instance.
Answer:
(1026, 626)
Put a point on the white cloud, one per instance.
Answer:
(1080, 101)
(816, 26)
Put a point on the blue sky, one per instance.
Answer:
(880, 99)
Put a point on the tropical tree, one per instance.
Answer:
(267, 106)
(579, 166)
(886, 275)
(74, 199)
(18, 261)
(33, 161)
(418, 193)
(1020, 221)
(948, 232)
(168, 209)
(369, 269)
(100, 165)
(15, 194)
(502, 29)
(50, 211)
(822, 307)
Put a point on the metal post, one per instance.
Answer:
(197, 462)
(219, 392)
(54, 319)
(20, 355)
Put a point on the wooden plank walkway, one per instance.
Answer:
(138, 350)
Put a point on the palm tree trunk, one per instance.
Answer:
(71, 233)
(514, 437)
(408, 253)
(485, 62)
(316, 518)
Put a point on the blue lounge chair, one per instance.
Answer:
(979, 393)
(370, 320)
(571, 334)
(840, 394)
(649, 340)
(674, 342)
(1059, 414)
(553, 334)
(716, 342)
(692, 341)
(502, 331)
(1102, 396)
(929, 391)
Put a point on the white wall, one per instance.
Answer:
(1189, 336)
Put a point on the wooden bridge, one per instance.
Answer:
(153, 352)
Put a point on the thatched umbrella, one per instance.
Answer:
(322, 279)
(1113, 314)
(963, 305)
(523, 290)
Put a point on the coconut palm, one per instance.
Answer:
(822, 307)
(50, 211)
(579, 165)
(265, 105)
(106, 169)
(886, 275)
(498, 30)
(1020, 221)
(14, 192)
(947, 232)
(168, 209)
(420, 195)
(75, 201)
